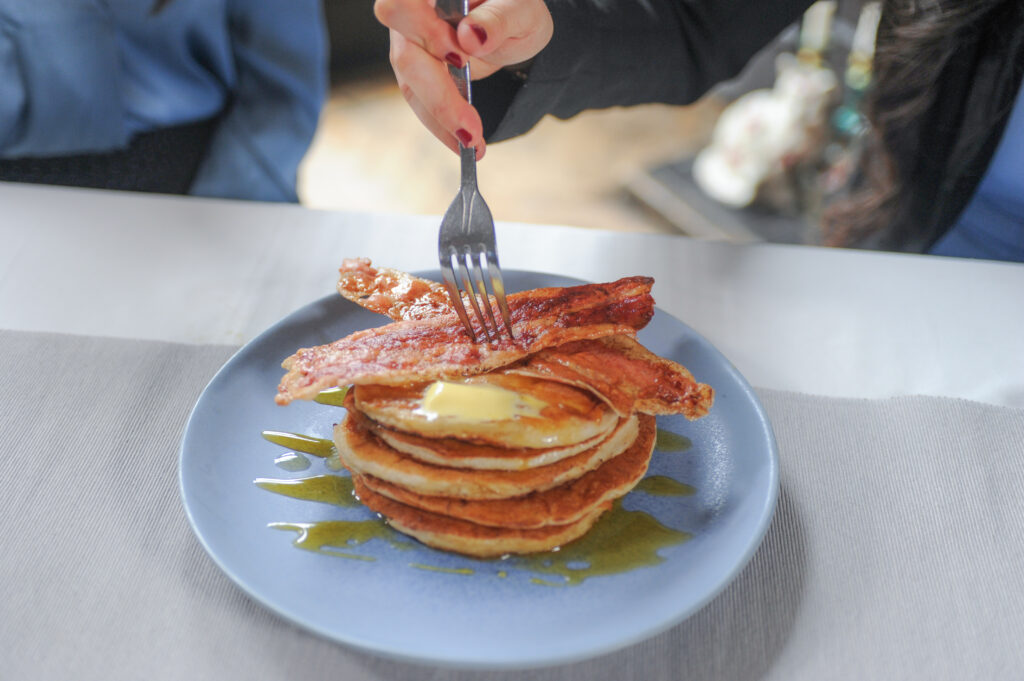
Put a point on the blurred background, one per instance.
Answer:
(622, 169)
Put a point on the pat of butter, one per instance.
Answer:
(473, 402)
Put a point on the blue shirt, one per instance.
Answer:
(80, 76)
(992, 224)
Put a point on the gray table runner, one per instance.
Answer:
(897, 550)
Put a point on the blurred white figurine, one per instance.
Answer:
(765, 134)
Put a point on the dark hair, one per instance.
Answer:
(916, 41)
(158, 6)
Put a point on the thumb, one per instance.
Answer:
(506, 31)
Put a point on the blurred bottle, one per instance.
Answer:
(849, 123)
(848, 120)
(814, 45)
(816, 33)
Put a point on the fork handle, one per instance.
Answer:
(452, 11)
(467, 155)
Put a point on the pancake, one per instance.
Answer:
(530, 412)
(560, 505)
(459, 454)
(515, 445)
(364, 453)
(480, 541)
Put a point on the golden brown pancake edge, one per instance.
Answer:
(559, 505)
(363, 452)
(479, 541)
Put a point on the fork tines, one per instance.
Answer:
(463, 273)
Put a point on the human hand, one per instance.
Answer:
(495, 33)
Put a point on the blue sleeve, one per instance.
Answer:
(59, 80)
(280, 53)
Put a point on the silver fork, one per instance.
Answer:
(466, 243)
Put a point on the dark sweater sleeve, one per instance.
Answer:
(624, 52)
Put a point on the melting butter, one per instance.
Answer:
(473, 402)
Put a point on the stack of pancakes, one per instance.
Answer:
(525, 480)
(509, 446)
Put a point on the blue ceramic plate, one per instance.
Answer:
(482, 614)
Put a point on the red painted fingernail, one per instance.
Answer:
(453, 59)
(481, 34)
(464, 136)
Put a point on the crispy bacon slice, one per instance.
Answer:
(428, 349)
(626, 374)
(394, 293)
(619, 369)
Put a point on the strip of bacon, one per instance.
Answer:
(619, 369)
(626, 374)
(428, 349)
(394, 293)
